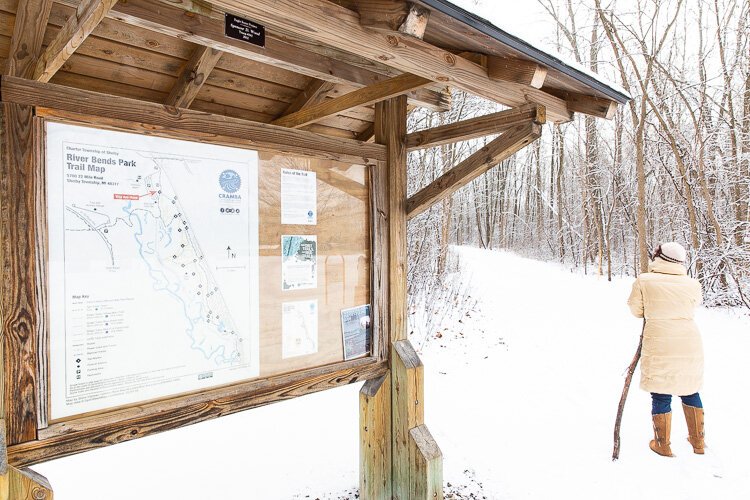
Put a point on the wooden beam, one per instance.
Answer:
(383, 15)
(329, 24)
(493, 153)
(394, 15)
(360, 97)
(416, 21)
(96, 431)
(587, 104)
(472, 128)
(19, 301)
(375, 439)
(28, 34)
(193, 76)
(154, 118)
(408, 412)
(313, 94)
(366, 134)
(510, 69)
(88, 16)
(207, 30)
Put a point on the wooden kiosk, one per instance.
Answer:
(139, 135)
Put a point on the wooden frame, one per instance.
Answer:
(88, 432)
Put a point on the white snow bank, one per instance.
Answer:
(522, 404)
(528, 406)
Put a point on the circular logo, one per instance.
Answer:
(230, 181)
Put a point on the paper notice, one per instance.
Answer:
(299, 326)
(298, 197)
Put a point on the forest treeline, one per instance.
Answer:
(672, 165)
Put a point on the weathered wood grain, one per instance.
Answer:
(18, 294)
(407, 372)
(493, 123)
(386, 15)
(328, 24)
(88, 15)
(416, 21)
(187, 123)
(107, 429)
(361, 97)
(380, 241)
(375, 439)
(24, 484)
(193, 76)
(475, 165)
(41, 251)
(514, 70)
(426, 465)
(28, 33)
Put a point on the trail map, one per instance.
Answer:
(153, 274)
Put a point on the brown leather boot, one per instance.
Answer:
(662, 430)
(696, 432)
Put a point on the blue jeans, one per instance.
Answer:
(662, 403)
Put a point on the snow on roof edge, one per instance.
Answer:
(546, 57)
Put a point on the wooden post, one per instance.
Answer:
(18, 298)
(415, 469)
(375, 438)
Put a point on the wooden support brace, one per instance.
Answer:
(313, 94)
(480, 126)
(475, 165)
(75, 31)
(193, 76)
(399, 85)
(375, 439)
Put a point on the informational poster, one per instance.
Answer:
(299, 262)
(299, 328)
(299, 197)
(356, 331)
(153, 267)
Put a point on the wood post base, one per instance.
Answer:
(399, 459)
(24, 484)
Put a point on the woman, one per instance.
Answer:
(672, 355)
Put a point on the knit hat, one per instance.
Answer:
(671, 252)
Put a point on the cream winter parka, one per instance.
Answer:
(672, 356)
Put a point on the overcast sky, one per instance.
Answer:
(523, 18)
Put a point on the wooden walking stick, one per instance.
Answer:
(621, 406)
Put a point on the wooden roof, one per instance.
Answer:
(315, 51)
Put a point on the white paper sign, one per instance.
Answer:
(153, 273)
(298, 197)
(299, 327)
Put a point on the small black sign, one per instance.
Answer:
(244, 30)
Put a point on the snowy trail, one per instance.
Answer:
(525, 407)
(539, 423)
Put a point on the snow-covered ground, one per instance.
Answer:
(521, 396)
